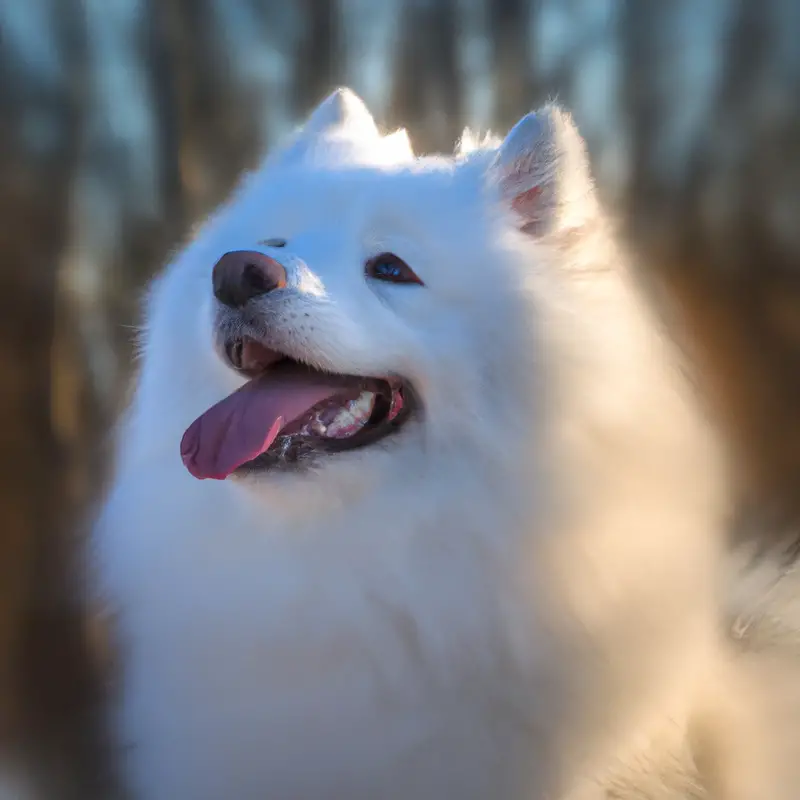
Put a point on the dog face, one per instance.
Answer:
(355, 311)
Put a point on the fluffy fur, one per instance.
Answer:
(519, 595)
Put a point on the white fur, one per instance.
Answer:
(513, 597)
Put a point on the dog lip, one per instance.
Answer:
(248, 355)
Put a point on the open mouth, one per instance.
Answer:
(289, 411)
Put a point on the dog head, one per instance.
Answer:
(361, 314)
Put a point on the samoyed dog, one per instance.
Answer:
(413, 499)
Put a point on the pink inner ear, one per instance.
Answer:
(525, 202)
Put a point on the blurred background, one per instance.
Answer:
(123, 122)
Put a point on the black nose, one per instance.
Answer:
(241, 275)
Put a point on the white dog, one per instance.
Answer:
(460, 536)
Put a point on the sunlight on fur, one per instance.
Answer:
(460, 528)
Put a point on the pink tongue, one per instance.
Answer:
(247, 422)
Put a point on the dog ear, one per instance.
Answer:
(542, 172)
(343, 109)
(340, 117)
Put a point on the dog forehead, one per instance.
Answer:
(306, 189)
(300, 194)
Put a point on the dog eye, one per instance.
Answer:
(389, 267)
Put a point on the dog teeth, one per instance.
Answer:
(353, 416)
(362, 406)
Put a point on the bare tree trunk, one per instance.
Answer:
(44, 669)
(427, 89)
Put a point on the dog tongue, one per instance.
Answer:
(247, 422)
